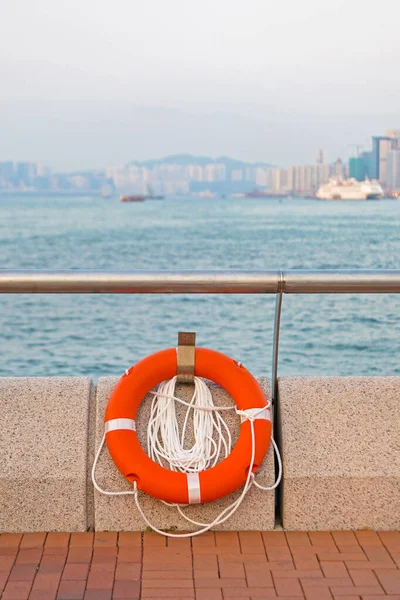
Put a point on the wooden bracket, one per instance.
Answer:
(186, 356)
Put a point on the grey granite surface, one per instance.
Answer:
(43, 453)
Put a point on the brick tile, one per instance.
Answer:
(33, 540)
(278, 553)
(130, 538)
(378, 597)
(222, 583)
(368, 538)
(378, 553)
(206, 539)
(327, 582)
(126, 589)
(288, 587)
(321, 538)
(304, 562)
(58, 540)
(105, 554)
(259, 579)
(209, 550)
(391, 539)
(129, 554)
(209, 594)
(168, 583)
(40, 595)
(294, 573)
(150, 538)
(353, 597)
(181, 574)
(6, 563)
(355, 591)
(84, 539)
(334, 568)
(100, 581)
(3, 581)
(56, 551)
(17, 590)
(71, 590)
(23, 573)
(130, 571)
(179, 544)
(390, 580)
(10, 540)
(318, 593)
(354, 554)
(227, 538)
(29, 556)
(52, 564)
(98, 595)
(100, 568)
(205, 562)
(75, 572)
(369, 565)
(297, 538)
(251, 592)
(211, 574)
(79, 554)
(234, 570)
(105, 538)
(251, 542)
(243, 558)
(46, 582)
(344, 539)
(176, 593)
(363, 577)
(274, 538)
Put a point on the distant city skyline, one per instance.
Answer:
(203, 175)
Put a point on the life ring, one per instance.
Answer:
(171, 486)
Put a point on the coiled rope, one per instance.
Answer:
(166, 445)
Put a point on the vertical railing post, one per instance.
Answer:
(277, 325)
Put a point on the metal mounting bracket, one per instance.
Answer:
(186, 356)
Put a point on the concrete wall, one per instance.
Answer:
(341, 452)
(43, 453)
(340, 440)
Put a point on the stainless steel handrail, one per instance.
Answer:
(277, 282)
(200, 282)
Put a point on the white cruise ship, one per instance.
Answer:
(350, 189)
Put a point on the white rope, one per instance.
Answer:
(167, 445)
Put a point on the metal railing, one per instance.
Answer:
(276, 282)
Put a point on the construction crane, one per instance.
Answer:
(358, 146)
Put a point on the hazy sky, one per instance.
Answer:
(86, 83)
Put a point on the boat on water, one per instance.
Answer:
(350, 189)
(141, 197)
(132, 198)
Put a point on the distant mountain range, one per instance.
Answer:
(190, 159)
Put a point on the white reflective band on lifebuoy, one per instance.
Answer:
(193, 481)
(256, 413)
(115, 424)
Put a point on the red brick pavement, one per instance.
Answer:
(360, 565)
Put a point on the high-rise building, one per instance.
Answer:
(7, 174)
(25, 173)
(393, 169)
(381, 146)
(338, 168)
(357, 168)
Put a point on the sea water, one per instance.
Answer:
(95, 335)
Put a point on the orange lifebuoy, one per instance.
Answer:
(172, 486)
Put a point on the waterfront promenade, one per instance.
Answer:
(222, 565)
